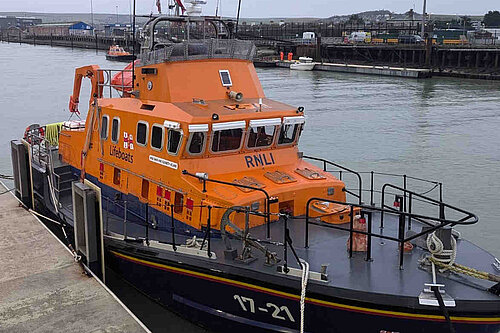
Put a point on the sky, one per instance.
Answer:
(260, 8)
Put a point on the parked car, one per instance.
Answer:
(410, 39)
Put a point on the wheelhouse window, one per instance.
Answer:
(290, 130)
(104, 127)
(115, 129)
(197, 138)
(227, 136)
(157, 137)
(262, 132)
(174, 141)
(142, 133)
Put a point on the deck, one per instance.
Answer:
(378, 280)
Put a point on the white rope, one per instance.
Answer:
(436, 248)
(305, 277)
(193, 242)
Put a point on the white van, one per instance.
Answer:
(358, 37)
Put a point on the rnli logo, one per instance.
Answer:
(118, 153)
(257, 160)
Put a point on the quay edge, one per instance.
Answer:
(42, 288)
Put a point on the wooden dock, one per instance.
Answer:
(42, 288)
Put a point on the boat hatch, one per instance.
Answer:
(248, 181)
(280, 177)
(240, 106)
(309, 174)
(330, 212)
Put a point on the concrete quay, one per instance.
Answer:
(42, 288)
(365, 69)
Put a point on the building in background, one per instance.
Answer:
(22, 23)
(117, 29)
(62, 29)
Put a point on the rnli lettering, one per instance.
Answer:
(116, 152)
(257, 160)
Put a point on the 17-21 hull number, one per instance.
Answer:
(278, 312)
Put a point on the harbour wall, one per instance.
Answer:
(96, 42)
(465, 61)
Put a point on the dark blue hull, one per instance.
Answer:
(224, 303)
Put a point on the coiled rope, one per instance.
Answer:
(439, 254)
(305, 277)
(445, 259)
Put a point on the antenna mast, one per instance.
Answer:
(238, 17)
(133, 49)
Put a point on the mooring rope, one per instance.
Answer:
(445, 259)
(305, 277)
(439, 254)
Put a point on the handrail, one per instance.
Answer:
(470, 218)
(372, 174)
(268, 198)
(326, 162)
(440, 203)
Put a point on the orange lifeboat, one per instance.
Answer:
(118, 53)
(122, 81)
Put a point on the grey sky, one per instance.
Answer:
(260, 8)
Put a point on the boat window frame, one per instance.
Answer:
(277, 129)
(203, 147)
(107, 127)
(243, 136)
(298, 123)
(162, 137)
(117, 130)
(137, 130)
(180, 141)
(296, 130)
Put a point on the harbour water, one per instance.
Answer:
(440, 129)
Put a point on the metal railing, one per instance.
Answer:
(143, 220)
(403, 216)
(108, 75)
(326, 163)
(358, 190)
(200, 49)
(268, 199)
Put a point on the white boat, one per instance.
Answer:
(304, 64)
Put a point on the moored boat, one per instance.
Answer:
(190, 185)
(118, 53)
(304, 64)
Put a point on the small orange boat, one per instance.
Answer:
(118, 53)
